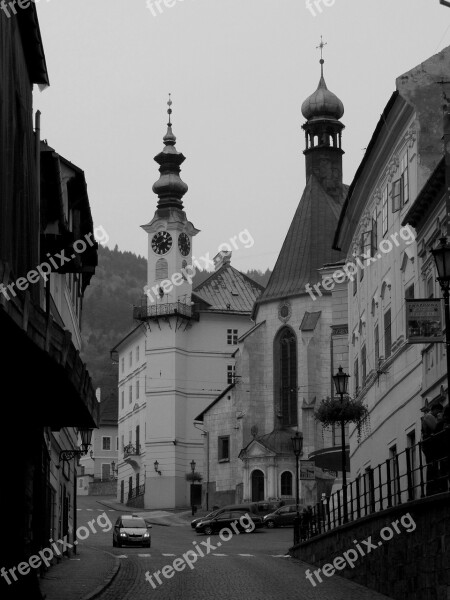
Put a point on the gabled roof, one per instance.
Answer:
(219, 397)
(307, 246)
(229, 290)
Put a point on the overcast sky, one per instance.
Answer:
(238, 71)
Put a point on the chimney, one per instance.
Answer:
(221, 259)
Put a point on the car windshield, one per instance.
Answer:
(132, 523)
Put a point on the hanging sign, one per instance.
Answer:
(424, 321)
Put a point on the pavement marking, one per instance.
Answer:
(246, 555)
(280, 555)
(111, 510)
(144, 555)
(78, 508)
(90, 509)
(215, 554)
(169, 554)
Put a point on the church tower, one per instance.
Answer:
(323, 136)
(169, 232)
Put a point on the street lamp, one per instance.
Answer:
(441, 256)
(86, 436)
(341, 385)
(114, 470)
(297, 445)
(156, 465)
(193, 463)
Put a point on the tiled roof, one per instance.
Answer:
(109, 410)
(228, 289)
(307, 246)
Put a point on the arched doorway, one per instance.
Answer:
(257, 486)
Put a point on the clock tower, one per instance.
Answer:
(170, 234)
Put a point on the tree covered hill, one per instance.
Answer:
(108, 309)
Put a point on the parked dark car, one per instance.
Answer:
(226, 517)
(131, 530)
(283, 516)
(205, 518)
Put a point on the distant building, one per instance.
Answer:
(285, 361)
(179, 356)
(44, 210)
(400, 182)
(98, 469)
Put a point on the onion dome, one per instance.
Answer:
(323, 104)
(170, 188)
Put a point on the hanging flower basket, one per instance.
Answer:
(332, 411)
(192, 477)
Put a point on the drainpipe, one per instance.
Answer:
(37, 139)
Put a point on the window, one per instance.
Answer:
(285, 367)
(123, 398)
(130, 394)
(130, 438)
(232, 336)
(286, 483)
(130, 359)
(411, 473)
(355, 286)
(387, 333)
(137, 353)
(230, 373)
(409, 292)
(404, 178)
(123, 365)
(430, 288)
(106, 443)
(162, 269)
(363, 366)
(376, 335)
(117, 443)
(356, 375)
(137, 389)
(224, 448)
(394, 473)
(384, 212)
(122, 442)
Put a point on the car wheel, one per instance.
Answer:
(114, 544)
(208, 530)
(270, 524)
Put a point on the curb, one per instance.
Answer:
(102, 587)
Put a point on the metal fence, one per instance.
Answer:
(135, 492)
(420, 470)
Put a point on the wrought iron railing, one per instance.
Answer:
(135, 492)
(131, 450)
(149, 310)
(420, 470)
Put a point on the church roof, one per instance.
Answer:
(278, 441)
(109, 409)
(229, 290)
(307, 246)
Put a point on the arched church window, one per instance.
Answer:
(286, 483)
(286, 376)
(162, 269)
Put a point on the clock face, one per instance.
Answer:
(161, 242)
(184, 244)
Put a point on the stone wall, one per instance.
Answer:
(103, 488)
(137, 502)
(411, 565)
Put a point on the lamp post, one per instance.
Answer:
(156, 465)
(441, 256)
(193, 463)
(297, 445)
(341, 385)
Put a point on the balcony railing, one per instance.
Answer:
(419, 471)
(135, 492)
(148, 311)
(131, 450)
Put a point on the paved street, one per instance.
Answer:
(248, 566)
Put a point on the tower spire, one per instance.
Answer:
(321, 46)
(170, 188)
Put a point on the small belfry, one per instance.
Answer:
(323, 134)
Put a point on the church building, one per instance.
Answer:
(298, 340)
